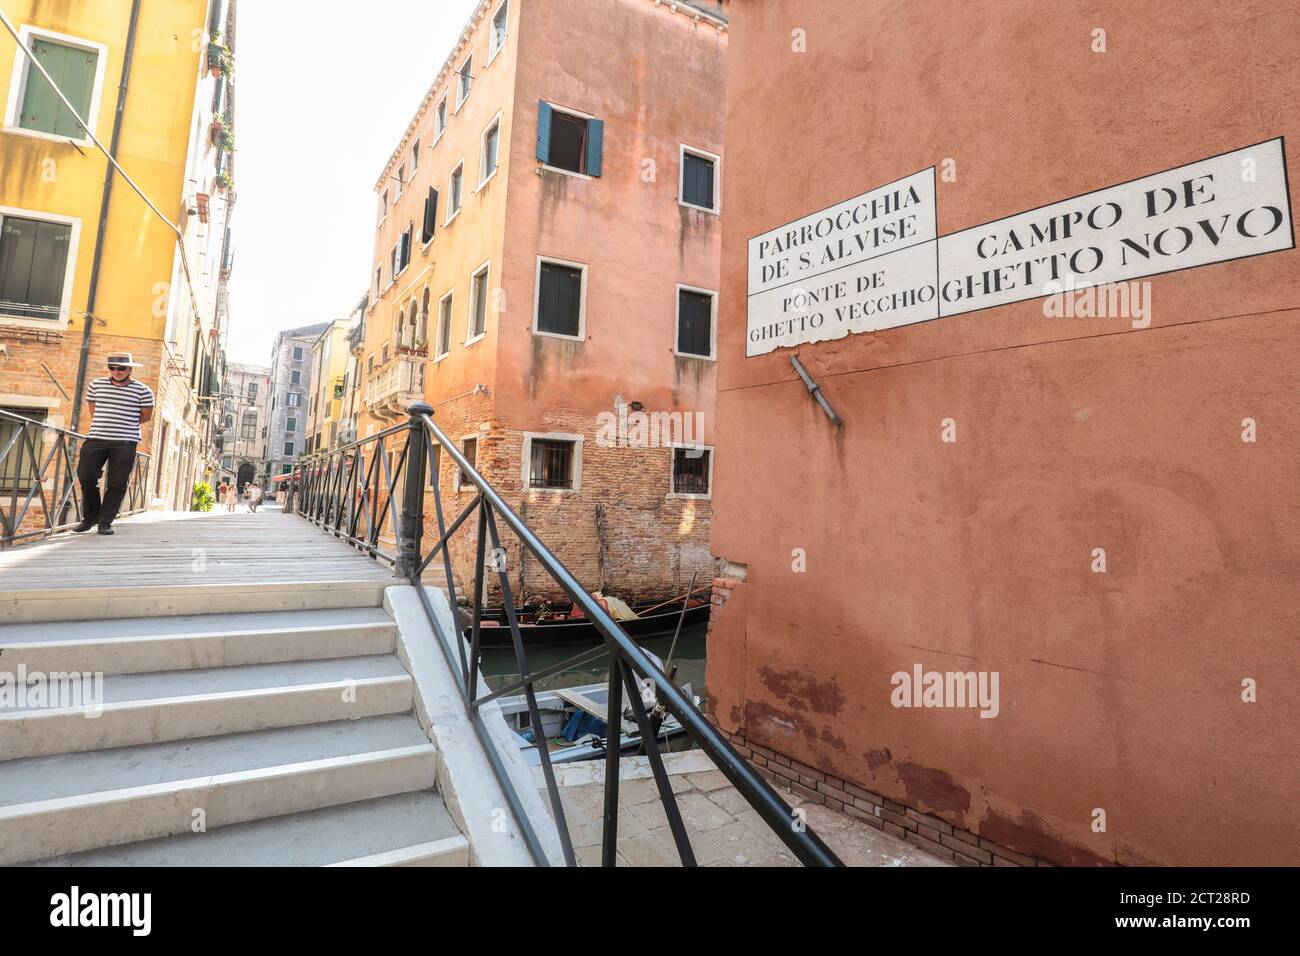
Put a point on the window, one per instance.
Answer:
(440, 118)
(297, 353)
(436, 468)
(76, 68)
(430, 216)
(422, 329)
(569, 141)
(499, 24)
(692, 471)
(698, 186)
(252, 391)
(551, 462)
(383, 206)
(415, 157)
(444, 325)
(401, 178)
(248, 427)
(695, 321)
(370, 364)
(293, 400)
(19, 471)
(468, 448)
(392, 263)
(560, 296)
(488, 156)
(295, 378)
(379, 280)
(288, 448)
(34, 263)
(453, 191)
(291, 425)
(463, 80)
(478, 296)
(402, 251)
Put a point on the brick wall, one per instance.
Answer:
(645, 545)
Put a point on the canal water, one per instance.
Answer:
(500, 669)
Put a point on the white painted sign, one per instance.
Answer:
(820, 278)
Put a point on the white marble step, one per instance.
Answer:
(181, 705)
(86, 603)
(409, 829)
(51, 806)
(149, 644)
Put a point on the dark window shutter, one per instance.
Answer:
(595, 145)
(543, 131)
(694, 332)
(559, 299)
(697, 181)
(430, 214)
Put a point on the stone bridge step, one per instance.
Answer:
(182, 705)
(53, 806)
(148, 644)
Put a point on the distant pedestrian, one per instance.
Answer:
(119, 405)
(254, 495)
(231, 492)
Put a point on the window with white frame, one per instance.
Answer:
(415, 157)
(488, 153)
(697, 311)
(552, 462)
(500, 26)
(440, 118)
(698, 183)
(36, 260)
(468, 448)
(77, 68)
(444, 325)
(561, 298)
(478, 296)
(692, 472)
(401, 179)
(569, 141)
(464, 80)
(383, 205)
(454, 190)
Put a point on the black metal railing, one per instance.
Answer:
(38, 464)
(352, 491)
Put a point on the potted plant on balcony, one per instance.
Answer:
(223, 134)
(216, 55)
(224, 181)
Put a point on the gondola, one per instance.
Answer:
(553, 625)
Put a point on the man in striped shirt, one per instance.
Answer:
(119, 405)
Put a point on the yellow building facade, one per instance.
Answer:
(86, 267)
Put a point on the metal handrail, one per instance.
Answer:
(21, 462)
(628, 659)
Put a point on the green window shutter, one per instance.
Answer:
(73, 70)
(544, 131)
(33, 262)
(595, 145)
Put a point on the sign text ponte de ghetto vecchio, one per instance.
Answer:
(876, 261)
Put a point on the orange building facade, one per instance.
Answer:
(546, 277)
(1082, 520)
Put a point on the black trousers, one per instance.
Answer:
(120, 457)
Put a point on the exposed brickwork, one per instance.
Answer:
(924, 830)
(646, 545)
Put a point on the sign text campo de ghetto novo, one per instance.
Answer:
(877, 261)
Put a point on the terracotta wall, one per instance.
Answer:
(1119, 691)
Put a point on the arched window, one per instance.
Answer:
(408, 337)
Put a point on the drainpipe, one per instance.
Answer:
(103, 218)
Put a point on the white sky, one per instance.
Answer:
(323, 95)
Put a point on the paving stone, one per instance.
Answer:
(647, 850)
(729, 800)
(701, 813)
(708, 781)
